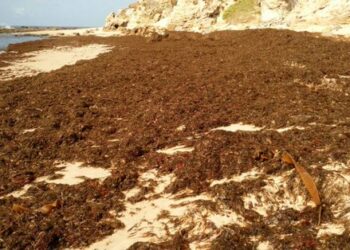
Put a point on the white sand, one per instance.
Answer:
(239, 127)
(270, 200)
(265, 245)
(75, 173)
(113, 140)
(181, 128)
(19, 193)
(284, 191)
(175, 150)
(336, 190)
(287, 191)
(282, 130)
(162, 214)
(48, 60)
(144, 221)
(72, 174)
(250, 175)
(330, 229)
(27, 131)
(72, 32)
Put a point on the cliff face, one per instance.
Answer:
(211, 15)
(180, 15)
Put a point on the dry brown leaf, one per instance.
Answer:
(305, 177)
(288, 159)
(48, 208)
(19, 208)
(309, 184)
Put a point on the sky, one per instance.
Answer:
(78, 13)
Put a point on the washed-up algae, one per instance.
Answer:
(117, 110)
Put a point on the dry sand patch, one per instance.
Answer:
(48, 60)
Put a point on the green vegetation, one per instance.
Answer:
(243, 10)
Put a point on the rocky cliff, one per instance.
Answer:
(210, 15)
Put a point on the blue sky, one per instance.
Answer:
(90, 13)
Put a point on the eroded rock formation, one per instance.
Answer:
(211, 15)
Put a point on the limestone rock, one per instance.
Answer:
(205, 16)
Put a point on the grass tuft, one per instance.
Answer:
(243, 10)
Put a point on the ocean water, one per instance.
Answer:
(6, 40)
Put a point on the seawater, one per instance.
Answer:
(6, 40)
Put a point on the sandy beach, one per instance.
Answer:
(48, 60)
(174, 143)
(70, 32)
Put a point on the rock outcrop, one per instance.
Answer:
(147, 16)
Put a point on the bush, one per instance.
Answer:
(243, 10)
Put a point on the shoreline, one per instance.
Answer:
(70, 32)
(341, 30)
